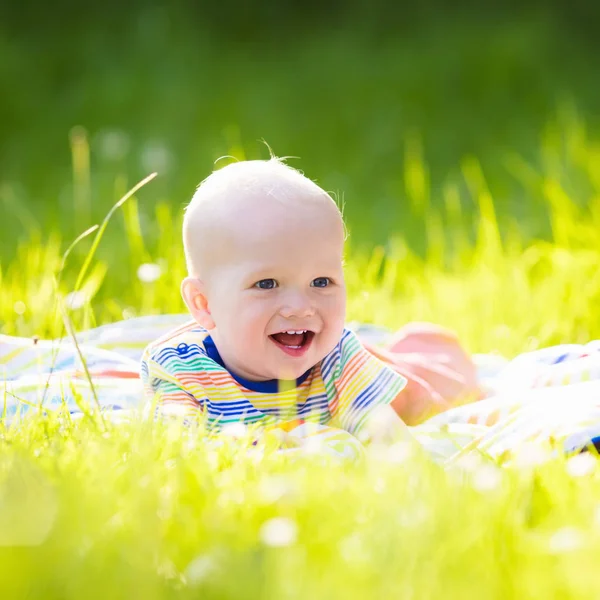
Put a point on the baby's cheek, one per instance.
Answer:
(338, 313)
(333, 332)
(255, 325)
(339, 302)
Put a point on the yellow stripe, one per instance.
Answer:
(8, 357)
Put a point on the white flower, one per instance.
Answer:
(19, 307)
(413, 517)
(235, 430)
(487, 478)
(156, 157)
(255, 455)
(581, 465)
(75, 300)
(129, 313)
(397, 453)
(380, 485)
(469, 463)
(273, 488)
(353, 550)
(597, 516)
(279, 532)
(531, 455)
(566, 539)
(113, 144)
(200, 568)
(149, 272)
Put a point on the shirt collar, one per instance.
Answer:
(270, 386)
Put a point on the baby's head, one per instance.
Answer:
(264, 247)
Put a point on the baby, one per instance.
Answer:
(265, 287)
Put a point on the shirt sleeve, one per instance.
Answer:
(357, 383)
(164, 390)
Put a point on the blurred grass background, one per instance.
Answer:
(464, 143)
(352, 89)
(435, 126)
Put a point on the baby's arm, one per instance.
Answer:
(364, 388)
(440, 372)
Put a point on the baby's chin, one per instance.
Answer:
(277, 372)
(291, 372)
(287, 367)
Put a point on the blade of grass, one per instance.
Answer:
(72, 336)
(104, 224)
(72, 246)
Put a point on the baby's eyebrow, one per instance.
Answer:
(263, 271)
(273, 271)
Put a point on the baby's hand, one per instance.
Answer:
(438, 370)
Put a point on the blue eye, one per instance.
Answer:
(321, 282)
(266, 284)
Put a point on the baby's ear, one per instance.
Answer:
(194, 296)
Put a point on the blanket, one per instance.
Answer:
(547, 396)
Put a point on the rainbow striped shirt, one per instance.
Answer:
(183, 373)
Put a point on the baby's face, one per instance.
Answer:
(278, 300)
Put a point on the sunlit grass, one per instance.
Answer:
(499, 288)
(135, 511)
(132, 510)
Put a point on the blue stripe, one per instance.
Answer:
(330, 361)
(561, 358)
(226, 409)
(183, 352)
(367, 398)
(316, 400)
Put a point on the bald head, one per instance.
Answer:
(247, 200)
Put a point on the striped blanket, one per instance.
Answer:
(551, 394)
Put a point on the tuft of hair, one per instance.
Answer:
(271, 178)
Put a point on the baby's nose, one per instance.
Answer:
(297, 305)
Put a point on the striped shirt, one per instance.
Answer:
(183, 373)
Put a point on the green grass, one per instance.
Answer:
(135, 512)
(499, 288)
(157, 89)
(472, 195)
(129, 510)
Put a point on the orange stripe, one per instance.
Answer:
(179, 401)
(124, 374)
(351, 368)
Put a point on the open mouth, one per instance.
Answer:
(294, 343)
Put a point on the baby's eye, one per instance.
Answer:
(321, 282)
(266, 284)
